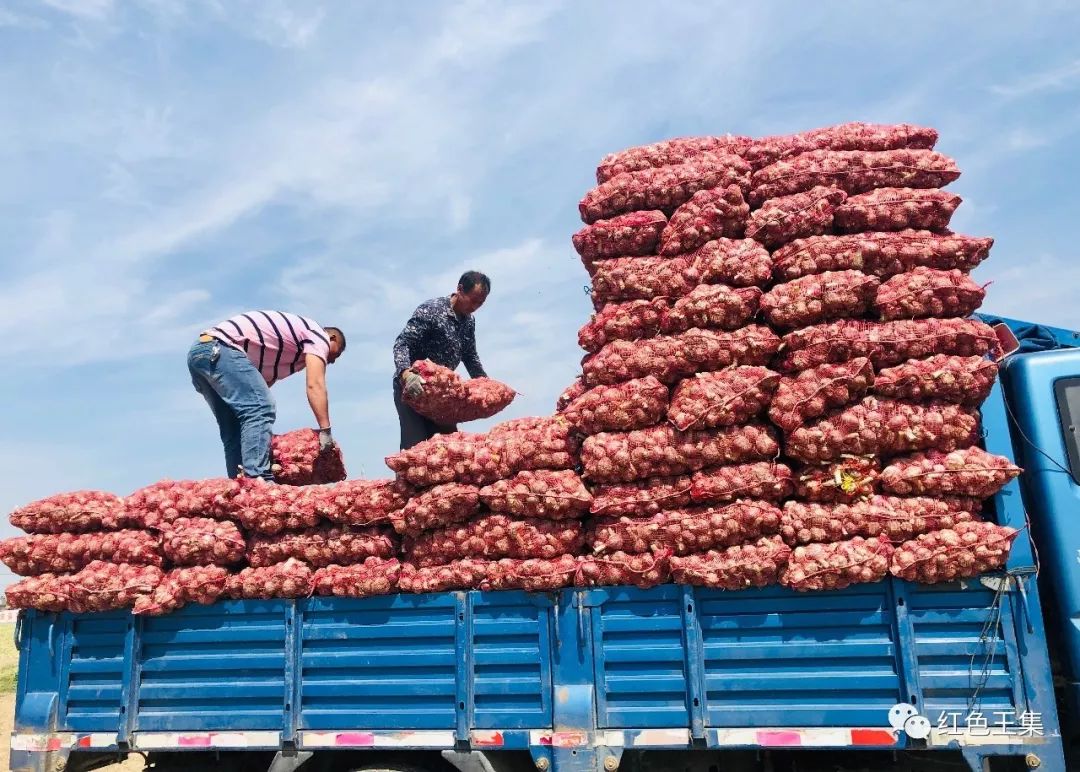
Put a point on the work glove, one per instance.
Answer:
(414, 384)
(326, 442)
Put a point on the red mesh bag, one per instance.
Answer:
(361, 502)
(467, 574)
(845, 136)
(921, 338)
(894, 518)
(374, 576)
(47, 592)
(641, 498)
(67, 552)
(554, 495)
(711, 305)
(784, 218)
(668, 358)
(735, 568)
(709, 214)
(458, 457)
(896, 209)
(663, 451)
(838, 482)
(924, 292)
(635, 233)
(722, 398)
(830, 343)
(819, 297)
(837, 565)
(165, 501)
(814, 392)
(885, 343)
(297, 459)
(290, 579)
(664, 188)
(202, 541)
(103, 586)
(631, 320)
(642, 278)
(853, 171)
(437, 507)
(964, 380)
(670, 152)
(685, 531)
(965, 472)
(551, 443)
(527, 423)
(494, 537)
(642, 571)
(736, 262)
(533, 574)
(764, 480)
(75, 512)
(631, 405)
(716, 349)
(965, 551)
(882, 254)
(570, 393)
(323, 546)
(264, 507)
(181, 586)
(884, 427)
(448, 400)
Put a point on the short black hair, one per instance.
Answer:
(340, 335)
(471, 279)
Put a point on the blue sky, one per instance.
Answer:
(166, 164)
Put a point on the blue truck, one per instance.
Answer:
(898, 676)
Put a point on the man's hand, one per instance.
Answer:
(326, 442)
(414, 384)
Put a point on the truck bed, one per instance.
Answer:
(574, 678)
(673, 667)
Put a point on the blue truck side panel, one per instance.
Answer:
(571, 675)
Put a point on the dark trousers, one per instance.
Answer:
(415, 428)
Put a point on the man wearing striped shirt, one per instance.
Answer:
(233, 365)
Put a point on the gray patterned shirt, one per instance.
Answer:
(435, 332)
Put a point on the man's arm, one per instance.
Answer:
(316, 389)
(411, 337)
(468, 352)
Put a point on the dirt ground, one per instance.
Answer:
(7, 710)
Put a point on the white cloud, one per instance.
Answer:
(9, 18)
(1022, 290)
(362, 143)
(83, 9)
(279, 24)
(1057, 78)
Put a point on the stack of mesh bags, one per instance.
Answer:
(676, 379)
(194, 541)
(859, 349)
(497, 510)
(882, 365)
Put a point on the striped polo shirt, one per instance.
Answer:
(274, 341)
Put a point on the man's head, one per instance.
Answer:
(472, 290)
(337, 343)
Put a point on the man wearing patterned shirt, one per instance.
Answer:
(444, 331)
(234, 364)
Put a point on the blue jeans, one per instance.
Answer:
(241, 403)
